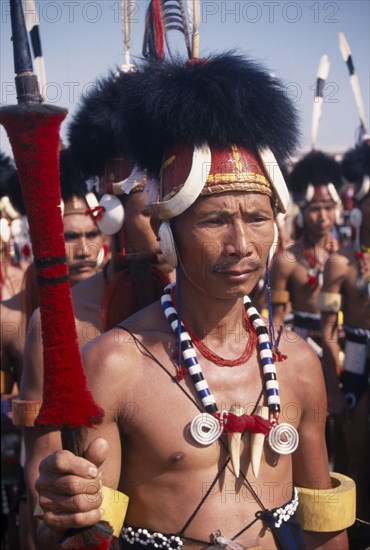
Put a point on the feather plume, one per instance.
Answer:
(127, 11)
(162, 17)
(353, 78)
(32, 25)
(195, 11)
(322, 75)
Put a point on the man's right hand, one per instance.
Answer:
(69, 487)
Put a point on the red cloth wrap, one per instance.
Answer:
(159, 28)
(254, 423)
(33, 132)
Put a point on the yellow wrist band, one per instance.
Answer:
(115, 506)
(329, 302)
(25, 412)
(328, 510)
(280, 296)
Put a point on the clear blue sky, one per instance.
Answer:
(82, 40)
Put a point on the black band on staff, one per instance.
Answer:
(52, 281)
(42, 263)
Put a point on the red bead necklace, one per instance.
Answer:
(217, 359)
(315, 272)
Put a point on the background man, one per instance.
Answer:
(136, 273)
(346, 287)
(296, 272)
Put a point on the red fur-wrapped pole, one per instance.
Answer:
(33, 131)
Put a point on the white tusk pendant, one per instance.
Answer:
(234, 440)
(257, 442)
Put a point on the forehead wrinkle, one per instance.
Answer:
(230, 202)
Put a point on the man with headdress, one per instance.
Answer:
(137, 271)
(296, 272)
(83, 244)
(346, 287)
(14, 238)
(172, 407)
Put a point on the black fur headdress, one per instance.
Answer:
(223, 100)
(7, 169)
(9, 184)
(71, 181)
(316, 168)
(356, 163)
(101, 116)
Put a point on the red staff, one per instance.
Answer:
(33, 130)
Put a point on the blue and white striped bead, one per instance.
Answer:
(265, 353)
(188, 353)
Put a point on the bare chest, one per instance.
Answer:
(156, 419)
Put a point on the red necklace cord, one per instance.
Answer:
(217, 359)
(316, 266)
(360, 255)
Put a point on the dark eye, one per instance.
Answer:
(259, 218)
(70, 235)
(93, 234)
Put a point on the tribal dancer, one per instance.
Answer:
(134, 277)
(297, 272)
(181, 381)
(346, 287)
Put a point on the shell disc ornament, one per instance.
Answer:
(205, 429)
(113, 216)
(283, 439)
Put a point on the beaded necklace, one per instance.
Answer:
(363, 281)
(207, 428)
(316, 270)
(217, 359)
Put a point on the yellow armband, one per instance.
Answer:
(25, 412)
(329, 302)
(115, 506)
(328, 510)
(280, 296)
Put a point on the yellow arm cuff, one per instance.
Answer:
(115, 506)
(328, 510)
(329, 302)
(280, 296)
(25, 412)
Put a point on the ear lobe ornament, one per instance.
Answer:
(167, 243)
